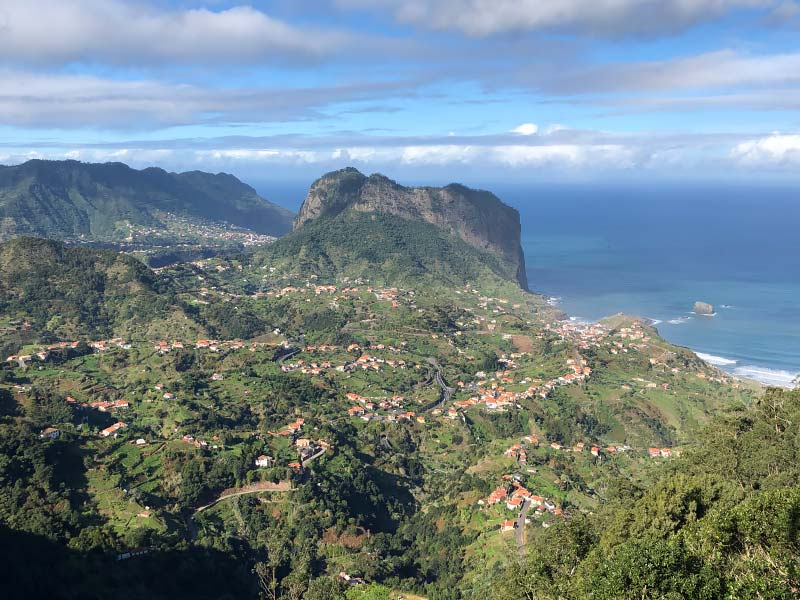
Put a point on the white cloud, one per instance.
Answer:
(232, 155)
(725, 69)
(773, 150)
(567, 152)
(526, 129)
(611, 17)
(29, 99)
(112, 31)
(440, 154)
(565, 155)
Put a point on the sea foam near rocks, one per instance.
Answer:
(777, 377)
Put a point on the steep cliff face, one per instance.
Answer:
(477, 217)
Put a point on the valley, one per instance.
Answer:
(367, 404)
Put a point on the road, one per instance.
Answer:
(519, 531)
(264, 486)
(447, 391)
(319, 453)
(291, 351)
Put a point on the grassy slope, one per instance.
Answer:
(384, 249)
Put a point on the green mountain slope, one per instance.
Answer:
(385, 248)
(74, 293)
(69, 199)
(721, 522)
(424, 392)
(477, 217)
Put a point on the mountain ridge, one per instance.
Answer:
(103, 201)
(477, 217)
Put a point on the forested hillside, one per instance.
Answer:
(386, 249)
(69, 293)
(113, 202)
(721, 522)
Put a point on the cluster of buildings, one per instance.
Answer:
(307, 448)
(312, 368)
(162, 347)
(365, 362)
(514, 496)
(103, 345)
(393, 295)
(392, 405)
(519, 451)
(42, 354)
(180, 228)
(494, 396)
(584, 335)
(663, 452)
(105, 406)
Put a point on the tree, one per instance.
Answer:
(373, 591)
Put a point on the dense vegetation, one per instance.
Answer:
(69, 199)
(75, 293)
(51, 292)
(173, 505)
(385, 249)
(722, 522)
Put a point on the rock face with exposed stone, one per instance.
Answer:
(703, 308)
(478, 217)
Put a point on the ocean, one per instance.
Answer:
(653, 250)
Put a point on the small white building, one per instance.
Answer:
(264, 461)
(50, 433)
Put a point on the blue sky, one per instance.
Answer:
(443, 90)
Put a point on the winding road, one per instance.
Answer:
(291, 351)
(447, 391)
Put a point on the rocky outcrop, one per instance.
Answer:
(703, 308)
(477, 217)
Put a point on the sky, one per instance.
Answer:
(422, 90)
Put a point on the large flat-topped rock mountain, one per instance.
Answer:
(106, 202)
(477, 217)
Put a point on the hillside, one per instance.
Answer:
(385, 248)
(720, 522)
(71, 200)
(395, 421)
(76, 293)
(53, 292)
(477, 217)
(368, 399)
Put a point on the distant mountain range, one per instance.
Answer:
(70, 200)
(350, 224)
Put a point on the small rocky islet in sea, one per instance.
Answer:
(703, 308)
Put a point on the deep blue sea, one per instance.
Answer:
(653, 251)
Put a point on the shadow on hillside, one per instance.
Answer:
(36, 567)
